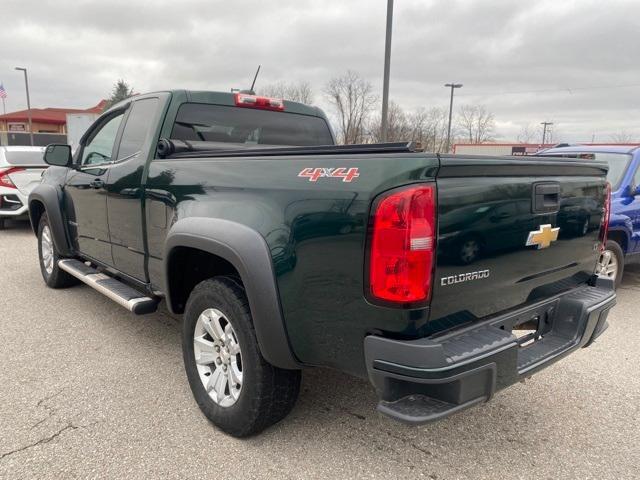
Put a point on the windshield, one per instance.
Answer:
(217, 123)
(617, 163)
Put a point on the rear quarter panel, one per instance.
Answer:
(316, 232)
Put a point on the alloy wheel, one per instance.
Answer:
(47, 249)
(218, 357)
(608, 264)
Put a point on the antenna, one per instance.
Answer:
(254, 78)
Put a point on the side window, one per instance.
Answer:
(98, 149)
(636, 178)
(137, 128)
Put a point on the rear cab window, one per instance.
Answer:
(248, 126)
(27, 157)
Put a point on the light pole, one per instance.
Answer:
(387, 69)
(26, 84)
(544, 131)
(452, 86)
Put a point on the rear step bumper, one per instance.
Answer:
(424, 380)
(124, 295)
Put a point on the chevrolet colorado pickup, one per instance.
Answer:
(442, 279)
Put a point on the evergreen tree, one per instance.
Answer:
(121, 90)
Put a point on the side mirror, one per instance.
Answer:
(58, 155)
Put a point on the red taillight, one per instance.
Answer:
(5, 181)
(606, 215)
(403, 245)
(253, 101)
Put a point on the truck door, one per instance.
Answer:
(124, 189)
(85, 188)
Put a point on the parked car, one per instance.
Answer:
(623, 245)
(283, 251)
(20, 171)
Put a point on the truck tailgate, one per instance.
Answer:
(512, 230)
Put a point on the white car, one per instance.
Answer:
(20, 172)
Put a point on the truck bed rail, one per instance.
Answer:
(188, 149)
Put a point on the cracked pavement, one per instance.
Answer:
(88, 390)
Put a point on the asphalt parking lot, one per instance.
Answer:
(88, 390)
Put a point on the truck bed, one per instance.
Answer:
(317, 231)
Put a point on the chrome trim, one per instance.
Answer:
(107, 165)
(92, 279)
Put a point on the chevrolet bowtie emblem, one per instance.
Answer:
(542, 238)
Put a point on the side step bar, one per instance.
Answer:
(122, 294)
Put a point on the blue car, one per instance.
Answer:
(623, 244)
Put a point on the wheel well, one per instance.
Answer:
(190, 266)
(620, 238)
(36, 209)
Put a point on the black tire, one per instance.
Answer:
(613, 247)
(268, 393)
(57, 278)
(2, 224)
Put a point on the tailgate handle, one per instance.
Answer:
(546, 197)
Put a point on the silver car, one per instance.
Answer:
(20, 171)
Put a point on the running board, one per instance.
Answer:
(124, 295)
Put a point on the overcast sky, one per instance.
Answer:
(526, 61)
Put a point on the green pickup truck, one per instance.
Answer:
(442, 279)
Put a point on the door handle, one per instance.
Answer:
(546, 197)
(97, 183)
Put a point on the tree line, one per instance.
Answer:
(356, 118)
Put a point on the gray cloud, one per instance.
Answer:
(75, 50)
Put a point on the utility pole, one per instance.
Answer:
(452, 86)
(544, 131)
(387, 69)
(26, 84)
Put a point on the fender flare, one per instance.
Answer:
(249, 253)
(51, 198)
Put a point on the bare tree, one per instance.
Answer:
(399, 128)
(296, 92)
(352, 98)
(622, 136)
(528, 134)
(477, 124)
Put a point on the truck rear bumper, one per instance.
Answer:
(424, 380)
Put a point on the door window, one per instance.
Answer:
(100, 146)
(137, 128)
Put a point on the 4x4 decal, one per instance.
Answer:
(346, 174)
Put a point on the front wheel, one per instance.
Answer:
(611, 262)
(234, 386)
(52, 274)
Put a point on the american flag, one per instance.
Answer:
(3, 92)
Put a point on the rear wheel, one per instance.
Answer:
(2, 224)
(53, 275)
(234, 386)
(611, 262)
